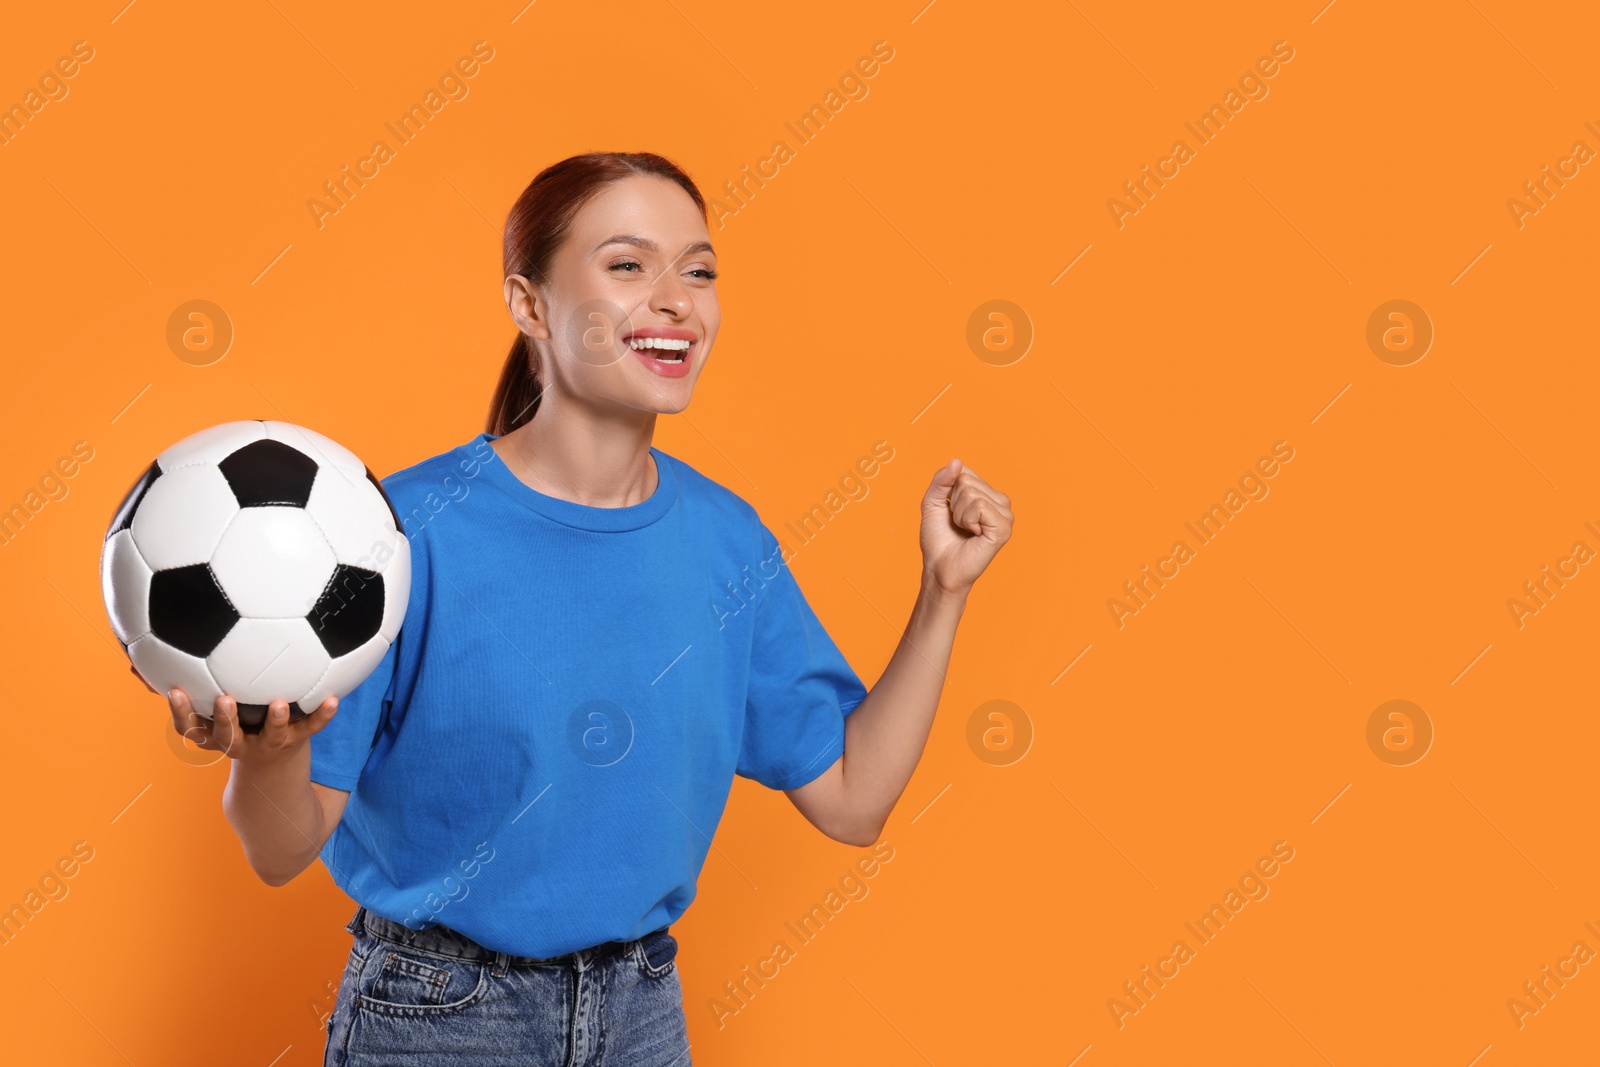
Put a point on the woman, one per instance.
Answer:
(598, 639)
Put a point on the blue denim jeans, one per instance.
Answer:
(434, 996)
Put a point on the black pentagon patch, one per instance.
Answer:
(270, 473)
(349, 611)
(123, 519)
(189, 610)
(379, 487)
(252, 717)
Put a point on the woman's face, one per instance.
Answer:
(636, 264)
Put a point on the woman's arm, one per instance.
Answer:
(281, 816)
(884, 736)
(965, 522)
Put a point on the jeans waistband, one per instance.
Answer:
(444, 941)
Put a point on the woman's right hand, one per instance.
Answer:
(278, 738)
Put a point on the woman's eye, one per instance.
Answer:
(704, 273)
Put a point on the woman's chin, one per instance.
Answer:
(669, 407)
(666, 397)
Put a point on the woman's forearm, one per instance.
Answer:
(276, 814)
(885, 734)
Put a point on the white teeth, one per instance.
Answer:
(642, 344)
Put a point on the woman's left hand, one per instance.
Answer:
(965, 520)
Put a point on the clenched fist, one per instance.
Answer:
(965, 520)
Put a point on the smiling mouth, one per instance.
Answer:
(662, 349)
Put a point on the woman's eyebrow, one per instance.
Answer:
(650, 246)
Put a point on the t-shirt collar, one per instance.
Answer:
(581, 516)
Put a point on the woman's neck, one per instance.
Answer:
(605, 465)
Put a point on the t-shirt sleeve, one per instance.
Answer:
(340, 749)
(800, 687)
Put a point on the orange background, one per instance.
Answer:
(1225, 316)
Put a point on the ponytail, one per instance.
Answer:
(516, 395)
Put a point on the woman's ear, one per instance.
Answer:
(527, 306)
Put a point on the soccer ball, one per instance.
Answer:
(257, 559)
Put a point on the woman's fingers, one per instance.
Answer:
(972, 514)
(178, 704)
(275, 730)
(965, 497)
(222, 731)
(198, 734)
(185, 719)
(225, 723)
(189, 723)
(317, 719)
(968, 474)
(979, 487)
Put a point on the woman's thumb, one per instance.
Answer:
(943, 480)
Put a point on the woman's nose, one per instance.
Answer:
(672, 296)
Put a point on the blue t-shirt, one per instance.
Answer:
(541, 759)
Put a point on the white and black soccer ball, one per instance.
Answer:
(257, 559)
